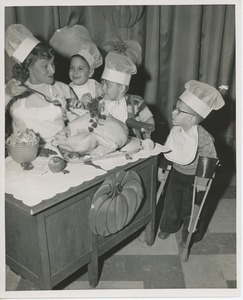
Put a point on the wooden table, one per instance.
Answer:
(48, 242)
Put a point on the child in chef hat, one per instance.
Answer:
(76, 43)
(120, 65)
(187, 140)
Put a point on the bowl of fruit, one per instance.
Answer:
(23, 145)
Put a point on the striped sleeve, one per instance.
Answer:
(138, 109)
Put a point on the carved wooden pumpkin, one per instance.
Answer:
(115, 203)
(123, 16)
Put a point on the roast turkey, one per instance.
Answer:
(87, 135)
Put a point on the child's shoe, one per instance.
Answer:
(163, 235)
(182, 244)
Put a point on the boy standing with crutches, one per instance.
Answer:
(187, 141)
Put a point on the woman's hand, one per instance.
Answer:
(14, 88)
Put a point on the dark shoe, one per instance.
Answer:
(163, 235)
(182, 244)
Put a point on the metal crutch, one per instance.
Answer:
(163, 173)
(205, 173)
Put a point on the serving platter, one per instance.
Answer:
(75, 158)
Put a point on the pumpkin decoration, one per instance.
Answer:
(123, 16)
(115, 203)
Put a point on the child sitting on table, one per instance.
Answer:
(115, 80)
(187, 141)
(76, 43)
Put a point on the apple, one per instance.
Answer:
(57, 164)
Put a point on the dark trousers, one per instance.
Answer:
(178, 203)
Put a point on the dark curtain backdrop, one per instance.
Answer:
(179, 42)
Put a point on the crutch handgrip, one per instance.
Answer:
(206, 166)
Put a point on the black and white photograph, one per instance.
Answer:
(120, 133)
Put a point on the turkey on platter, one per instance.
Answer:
(92, 135)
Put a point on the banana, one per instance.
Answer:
(148, 144)
(133, 145)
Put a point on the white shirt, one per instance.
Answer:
(117, 109)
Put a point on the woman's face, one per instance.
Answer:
(111, 90)
(79, 71)
(42, 71)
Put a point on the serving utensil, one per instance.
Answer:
(48, 99)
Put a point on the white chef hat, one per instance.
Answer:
(118, 68)
(19, 42)
(202, 97)
(71, 40)
(91, 53)
(121, 60)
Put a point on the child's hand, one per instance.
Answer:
(145, 130)
(86, 98)
(74, 103)
(14, 88)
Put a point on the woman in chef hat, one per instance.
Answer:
(76, 43)
(38, 100)
(187, 140)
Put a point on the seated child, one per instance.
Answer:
(187, 140)
(116, 101)
(82, 66)
(76, 43)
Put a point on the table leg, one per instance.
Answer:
(150, 233)
(93, 270)
(150, 227)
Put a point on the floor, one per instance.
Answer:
(134, 265)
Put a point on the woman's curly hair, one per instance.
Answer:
(21, 72)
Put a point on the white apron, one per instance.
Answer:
(46, 121)
(183, 145)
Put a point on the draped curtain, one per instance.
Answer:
(179, 43)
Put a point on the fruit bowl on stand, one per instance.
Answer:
(23, 146)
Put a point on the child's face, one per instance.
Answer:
(111, 90)
(181, 114)
(79, 70)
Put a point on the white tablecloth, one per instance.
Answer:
(39, 184)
